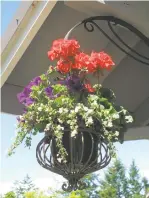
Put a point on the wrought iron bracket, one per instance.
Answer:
(91, 23)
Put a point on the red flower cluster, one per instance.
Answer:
(62, 48)
(70, 57)
(82, 61)
(101, 60)
(64, 66)
(89, 88)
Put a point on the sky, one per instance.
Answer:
(24, 161)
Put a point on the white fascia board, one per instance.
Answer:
(23, 36)
(137, 133)
(15, 23)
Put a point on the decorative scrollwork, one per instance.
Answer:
(91, 23)
(73, 184)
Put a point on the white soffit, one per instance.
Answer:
(134, 12)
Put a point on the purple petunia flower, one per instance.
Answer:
(73, 83)
(23, 95)
(49, 91)
(24, 110)
(29, 101)
(35, 82)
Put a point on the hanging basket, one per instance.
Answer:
(80, 120)
(87, 152)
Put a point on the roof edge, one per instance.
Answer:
(24, 34)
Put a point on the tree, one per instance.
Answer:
(134, 180)
(108, 192)
(21, 187)
(35, 194)
(116, 185)
(115, 182)
(137, 185)
(10, 194)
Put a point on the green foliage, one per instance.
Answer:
(115, 181)
(10, 194)
(21, 187)
(74, 195)
(35, 195)
(134, 180)
(108, 192)
(136, 183)
(115, 184)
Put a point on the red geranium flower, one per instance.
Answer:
(64, 66)
(102, 60)
(83, 60)
(89, 88)
(62, 48)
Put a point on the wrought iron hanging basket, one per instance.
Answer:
(87, 152)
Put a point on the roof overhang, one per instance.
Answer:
(31, 15)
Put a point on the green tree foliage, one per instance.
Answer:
(10, 194)
(21, 187)
(115, 184)
(35, 194)
(137, 185)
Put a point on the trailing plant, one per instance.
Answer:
(53, 105)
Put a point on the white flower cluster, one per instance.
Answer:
(47, 128)
(129, 119)
(63, 110)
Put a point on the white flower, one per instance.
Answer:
(117, 133)
(94, 97)
(109, 124)
(39, 108)
(129, 119)
(47, 128)
(94, 104)
(68, 121)
(105, 123)
(65, 110)
(59, 127)
(73, 133)
(60, 121)
(59, 159)
(106, 132)
(85, 108)
(102, 107)
(72, 111)
(90, 111)
(115, 116)
(77, 109)
(90, 120)
(60, 110)
(124, 110)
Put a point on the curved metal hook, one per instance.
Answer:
(116, 21)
